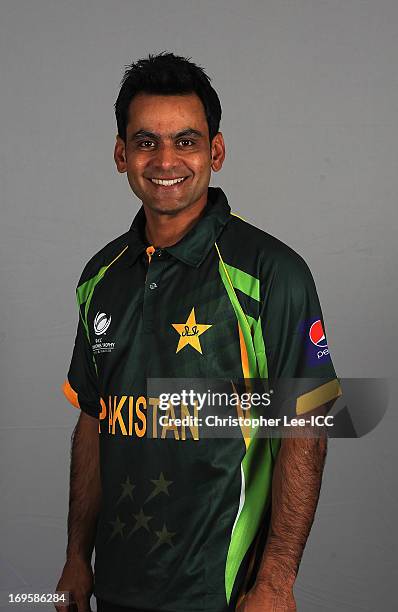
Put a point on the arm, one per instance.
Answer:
(84, 502)
(290, 302)
(295, 491)
(85, 489)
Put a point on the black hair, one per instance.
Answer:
(167, 74)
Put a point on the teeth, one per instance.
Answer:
(164, 182)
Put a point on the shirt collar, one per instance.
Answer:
(196, 244)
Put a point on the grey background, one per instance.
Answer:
(309, 94)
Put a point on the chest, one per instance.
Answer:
(162, 320)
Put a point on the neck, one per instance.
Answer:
(165, 230)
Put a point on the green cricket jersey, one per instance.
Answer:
(184, 519)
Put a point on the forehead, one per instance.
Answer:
(166, 113)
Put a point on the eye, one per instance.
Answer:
(145, 142)
(186, 141)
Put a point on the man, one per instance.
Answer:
(182, 524)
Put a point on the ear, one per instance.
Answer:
(119, 155)
(217, 152)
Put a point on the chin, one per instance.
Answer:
(166, 208)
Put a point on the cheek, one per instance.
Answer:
(135, 167)
(204, 168)
(133, 173)
(201, 164)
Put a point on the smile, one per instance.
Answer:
(168, 182)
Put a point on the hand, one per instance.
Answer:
(77, 578)
(262, 598)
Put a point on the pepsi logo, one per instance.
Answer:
(101, 323)
(317, 335)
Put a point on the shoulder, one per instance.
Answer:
(104, 257)
(262, 255)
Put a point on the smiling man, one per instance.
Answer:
(167, 156)
(180, 522)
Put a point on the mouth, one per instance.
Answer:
(169, 184)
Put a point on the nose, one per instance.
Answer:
(166, 158)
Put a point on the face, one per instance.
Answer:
(167, 154)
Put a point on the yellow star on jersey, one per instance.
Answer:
(190, 332)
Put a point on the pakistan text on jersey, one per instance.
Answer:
(139, 417)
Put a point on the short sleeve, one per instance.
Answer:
(81, 385)
(298, 356)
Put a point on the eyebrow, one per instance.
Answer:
(147, 134)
